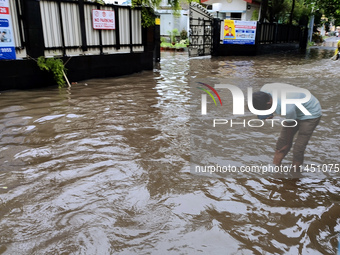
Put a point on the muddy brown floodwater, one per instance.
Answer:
(104, 168)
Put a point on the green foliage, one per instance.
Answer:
(255, 15)
(184, 42)
(175, 32)
(337, 20)
(173, 35)
(280, 10)
(184, 34)
(181, 44)
(148, 7)
(175, 6)
(316, 37)
(163, 39)
(330, 8)
(327, 26)
(317, 17)
(148, 16)
(301, 10)
(54, 65)
(148, 12)
(309, 44)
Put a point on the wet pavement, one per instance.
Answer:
(330, 43)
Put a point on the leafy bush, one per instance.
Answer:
(54, 65)
(184, 42)
(184, 34)
(174, 34)
(316, 37)
(181, 44)
(255, 15)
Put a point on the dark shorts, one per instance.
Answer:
(305, 128)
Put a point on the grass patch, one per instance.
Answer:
(176, 46)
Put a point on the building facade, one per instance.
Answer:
(234, 9)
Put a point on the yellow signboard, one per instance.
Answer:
(158, 21)
(229, 30)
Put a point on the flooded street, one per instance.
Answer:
(104, 167)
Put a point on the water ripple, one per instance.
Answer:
(103, 168)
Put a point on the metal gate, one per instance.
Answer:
(201, 31)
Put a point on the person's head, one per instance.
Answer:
(230, 29)
(262, 101)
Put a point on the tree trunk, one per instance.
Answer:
(264, 8)
(291, 13)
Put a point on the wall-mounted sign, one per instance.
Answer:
(7, 47)
(158, 21)
(102, 19)
(239, 32)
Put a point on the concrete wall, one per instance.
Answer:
(170, 22)
(25, 74)
(251, 50)
(224, 9)
(249, 12)
(234, 6)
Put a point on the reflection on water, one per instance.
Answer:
(103, 168)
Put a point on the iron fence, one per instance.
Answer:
(268, 33)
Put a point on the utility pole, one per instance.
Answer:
(311, 25)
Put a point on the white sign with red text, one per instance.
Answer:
(103, 19)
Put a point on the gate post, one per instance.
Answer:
(303, 33)
(34, 37)
(258, 37)
(276, 30)
(149, 43)
(157, 53)
(216, 36)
